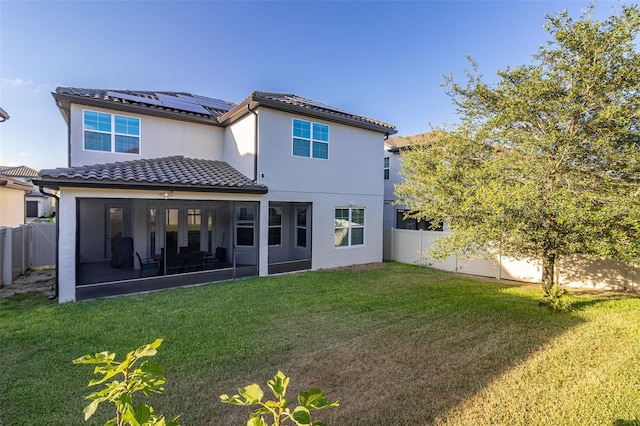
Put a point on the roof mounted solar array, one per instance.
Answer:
(183, 102)
(134, 98)
(315, 103)
(207, 102)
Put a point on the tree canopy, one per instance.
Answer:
(546, 161)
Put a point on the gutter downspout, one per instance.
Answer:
(57, 287)
(255, 144)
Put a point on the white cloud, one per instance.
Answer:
(13, 82)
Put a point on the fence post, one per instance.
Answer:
(23, 245)
(7, 277)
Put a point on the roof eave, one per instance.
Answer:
(64, 101)
(253, 102)
(85, 183)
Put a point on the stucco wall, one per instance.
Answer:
(159, 137)
(353, 167)
(351, 177)
(239, 145)
(12, 211)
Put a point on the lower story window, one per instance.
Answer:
(348, 227)
(275, 226)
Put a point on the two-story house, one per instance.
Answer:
(203, 189)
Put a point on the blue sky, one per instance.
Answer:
(380, 59)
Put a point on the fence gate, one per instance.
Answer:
(43, 244)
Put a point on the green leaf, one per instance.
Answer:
(252, 394)
(90, 409)
(301, 416)
(279, 384)
(314, 399)
(257, 421)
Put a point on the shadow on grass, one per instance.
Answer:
(621, 422)
(406, 346)
(395, 345)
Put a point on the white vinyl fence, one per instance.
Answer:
(25, 247)
(410, 246)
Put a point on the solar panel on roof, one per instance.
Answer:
(178, 103)
(133, 98)
(210, 102)
(317, 104)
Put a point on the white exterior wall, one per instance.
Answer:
(395, 164)
(351, 177)
(239, 145)
(159, 137)
(11, 207)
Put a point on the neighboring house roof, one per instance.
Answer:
(399, 143)
(175, 173)
(19, 171)
(9, 182)
(189, 107)
(3, 115)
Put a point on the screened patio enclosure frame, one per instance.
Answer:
(212, 227)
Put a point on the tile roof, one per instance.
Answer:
(195, 107)
(399, 143)
(316, 106)
(19, 171)
(174, 173)
(161, 101)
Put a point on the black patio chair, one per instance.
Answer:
(194, 261)
(175, 263)
(147, 265)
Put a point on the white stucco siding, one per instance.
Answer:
(239, 145)
(67, 246)
(324, 253)
(353, 166)
(12, 207)
(159, 137)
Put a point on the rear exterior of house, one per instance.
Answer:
(277, 183)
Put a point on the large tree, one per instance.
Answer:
(544, 162)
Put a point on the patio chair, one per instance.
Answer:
(194, 261)
(147, 265)
(175, 263)
(210, 261)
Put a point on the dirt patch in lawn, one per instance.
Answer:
(37, 281)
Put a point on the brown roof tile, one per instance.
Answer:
(175, 172)
(19, 171)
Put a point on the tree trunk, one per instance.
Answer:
(548, 269)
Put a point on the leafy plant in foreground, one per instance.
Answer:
(148, 378)
(312, 399)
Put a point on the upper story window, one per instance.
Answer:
(386, 168)
(111, 132)
(310, 139)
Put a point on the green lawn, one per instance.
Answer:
(397, 345)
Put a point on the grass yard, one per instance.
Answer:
(396, 345)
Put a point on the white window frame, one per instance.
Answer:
(387, 169)
(112, 132)
(350, 226)
(310, 139)
(279, 212)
